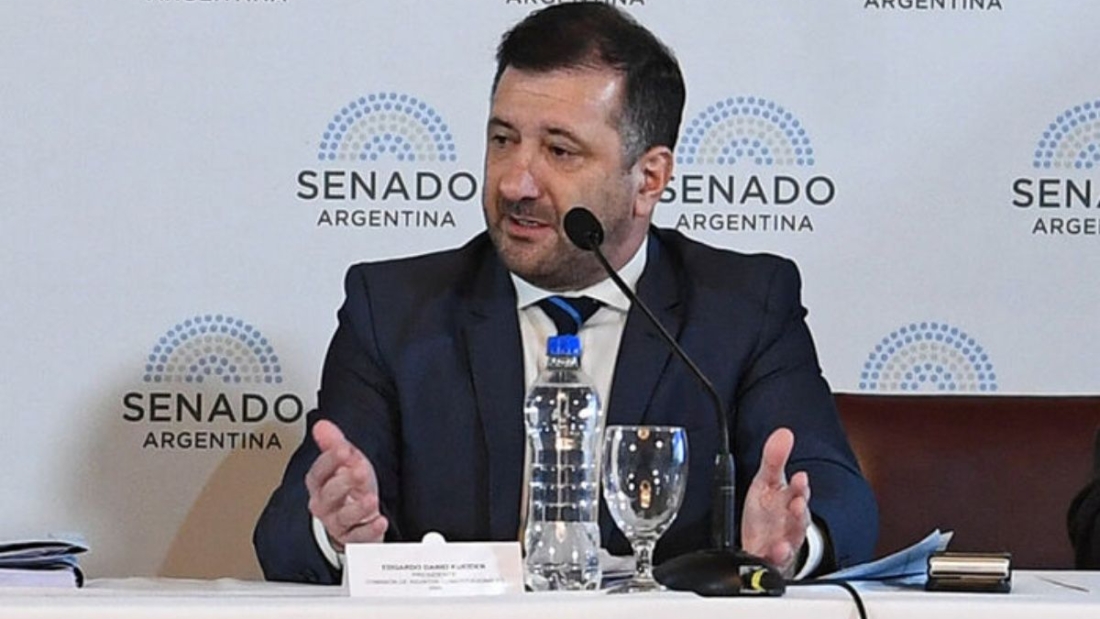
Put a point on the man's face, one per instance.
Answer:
(553, 144)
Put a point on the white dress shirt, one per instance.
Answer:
(600, 334)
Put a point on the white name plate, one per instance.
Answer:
(433, 567)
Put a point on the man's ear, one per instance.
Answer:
(654, 170)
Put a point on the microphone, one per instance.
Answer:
(724, 570)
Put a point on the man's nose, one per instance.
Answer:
(518, 181)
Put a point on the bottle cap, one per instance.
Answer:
(563, 346)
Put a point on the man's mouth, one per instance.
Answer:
(527, 222)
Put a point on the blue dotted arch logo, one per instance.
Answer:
(387, 125)
(1072, 140)
(928, 356)
(745, 129)
(213, 349)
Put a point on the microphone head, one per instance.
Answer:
(583, 229)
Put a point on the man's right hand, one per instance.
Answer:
(343, 490)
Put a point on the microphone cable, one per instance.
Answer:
(843, 584)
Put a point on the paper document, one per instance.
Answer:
(45, 562)
(910, 564)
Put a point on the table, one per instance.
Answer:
(1046, 594)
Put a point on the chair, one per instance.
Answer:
(1000, 471)
(1083, 519)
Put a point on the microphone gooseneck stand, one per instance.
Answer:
(723, 570)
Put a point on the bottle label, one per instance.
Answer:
(563, 362)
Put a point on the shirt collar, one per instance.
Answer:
(606, 291)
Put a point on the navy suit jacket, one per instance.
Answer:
(425, 375)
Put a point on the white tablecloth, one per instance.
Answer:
(1035, 595)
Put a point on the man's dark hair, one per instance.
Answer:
(595, 36)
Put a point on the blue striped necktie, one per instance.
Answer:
(569, 313)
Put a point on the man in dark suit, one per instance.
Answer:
(419, 425)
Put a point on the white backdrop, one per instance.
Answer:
(165, 216)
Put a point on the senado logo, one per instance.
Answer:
(1070, 141)
(212, 380)
(929, 356)
(213, 348)
(747, 133)
(377, 125)
(395, 154)
(1059, 200)
(746, 128)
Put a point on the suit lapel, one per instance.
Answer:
(495, 355)
(643, 354)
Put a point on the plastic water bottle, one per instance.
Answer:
(563, 419)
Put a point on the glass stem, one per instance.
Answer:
(643, 559)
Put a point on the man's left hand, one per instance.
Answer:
(777, 511)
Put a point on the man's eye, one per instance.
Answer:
(560, 153)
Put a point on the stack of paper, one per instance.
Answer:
(49, 562)
(906, 566)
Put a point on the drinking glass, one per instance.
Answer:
(644, 476)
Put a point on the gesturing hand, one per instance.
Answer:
(343, 490)
(776, 512)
